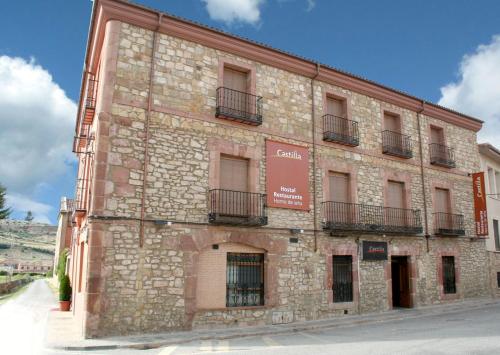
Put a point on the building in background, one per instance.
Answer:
(64, 228)
(222, 182)
(490, 164)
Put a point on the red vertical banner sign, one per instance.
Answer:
(480, 213)
(287, 175)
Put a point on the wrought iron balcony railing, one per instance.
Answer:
(238, 106)
(341, 216)
(442, 155)
(340, 130)
(237, 208)
(81, 198)
(67, 205)
(90, 100)
(397, 144)
(448, 224)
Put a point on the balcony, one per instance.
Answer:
(238, 106)
(340, 130)
(345, 217)
(447, 224)
(90, 101)
(442, 155)
(396, 144)
(237, 208)
(82, 140)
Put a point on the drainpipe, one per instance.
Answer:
(146, 133)
(313, 115)
(422, 175)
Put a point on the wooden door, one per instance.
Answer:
(339, 191)
(396, 214)
(337, 109)
(236, 98)
(443, 207)
(392, 123)
(234, 186)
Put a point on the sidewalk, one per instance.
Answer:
(62, 330)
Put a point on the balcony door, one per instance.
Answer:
(392, 123)
(396, 213)
(339, 189)
(236, 98)
(437, 135)
(337, 108)
(233, 199)
(443, 208)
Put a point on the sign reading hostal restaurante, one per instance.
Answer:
(287, 175)
(480, 213)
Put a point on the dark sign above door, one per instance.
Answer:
(374, 250)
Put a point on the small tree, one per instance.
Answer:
(61, 265)
(65, 289)
(29, 216)
(4, 211)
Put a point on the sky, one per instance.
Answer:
(446, 51)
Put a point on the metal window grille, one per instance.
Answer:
(342, 278)
(449, 285)
(245, 280)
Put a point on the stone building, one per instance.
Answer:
(64, 229)
(223, 183)
(490, 165)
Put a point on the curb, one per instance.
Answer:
(277, 331)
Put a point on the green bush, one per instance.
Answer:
(64, 289)
(61, 265)
(49, 273)
(3, 273)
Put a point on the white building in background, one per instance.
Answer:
(490, 164)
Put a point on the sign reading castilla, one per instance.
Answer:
(287, 175)
(480, 213)
(374, 250)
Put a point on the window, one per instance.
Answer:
(235, 80)
(395, 214)
(442, 200)
(342, 278)
(245, 279)
(336, 107)
(339, 187)
(392, 122)
(233, 198)
(496, 233)
(233, 173)
(498, 279)
(437, 135)
(449, 285)
(339, 210)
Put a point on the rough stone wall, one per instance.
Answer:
(151, 288)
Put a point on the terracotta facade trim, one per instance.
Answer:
(137, 15)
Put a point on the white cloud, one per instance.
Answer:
(310, 5)
(36, 126)
(24, 204)
(232, 11)
(477, 92)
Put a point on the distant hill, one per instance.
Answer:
(26, 241)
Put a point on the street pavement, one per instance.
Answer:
(474, 331)
(468, 331)
(23, 320)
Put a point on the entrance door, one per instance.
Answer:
(400, 272)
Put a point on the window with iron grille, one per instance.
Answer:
(245, 280)
(342, 278)
(449, 285)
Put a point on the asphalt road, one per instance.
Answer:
(477, 331)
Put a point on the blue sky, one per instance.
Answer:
(414, 46)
